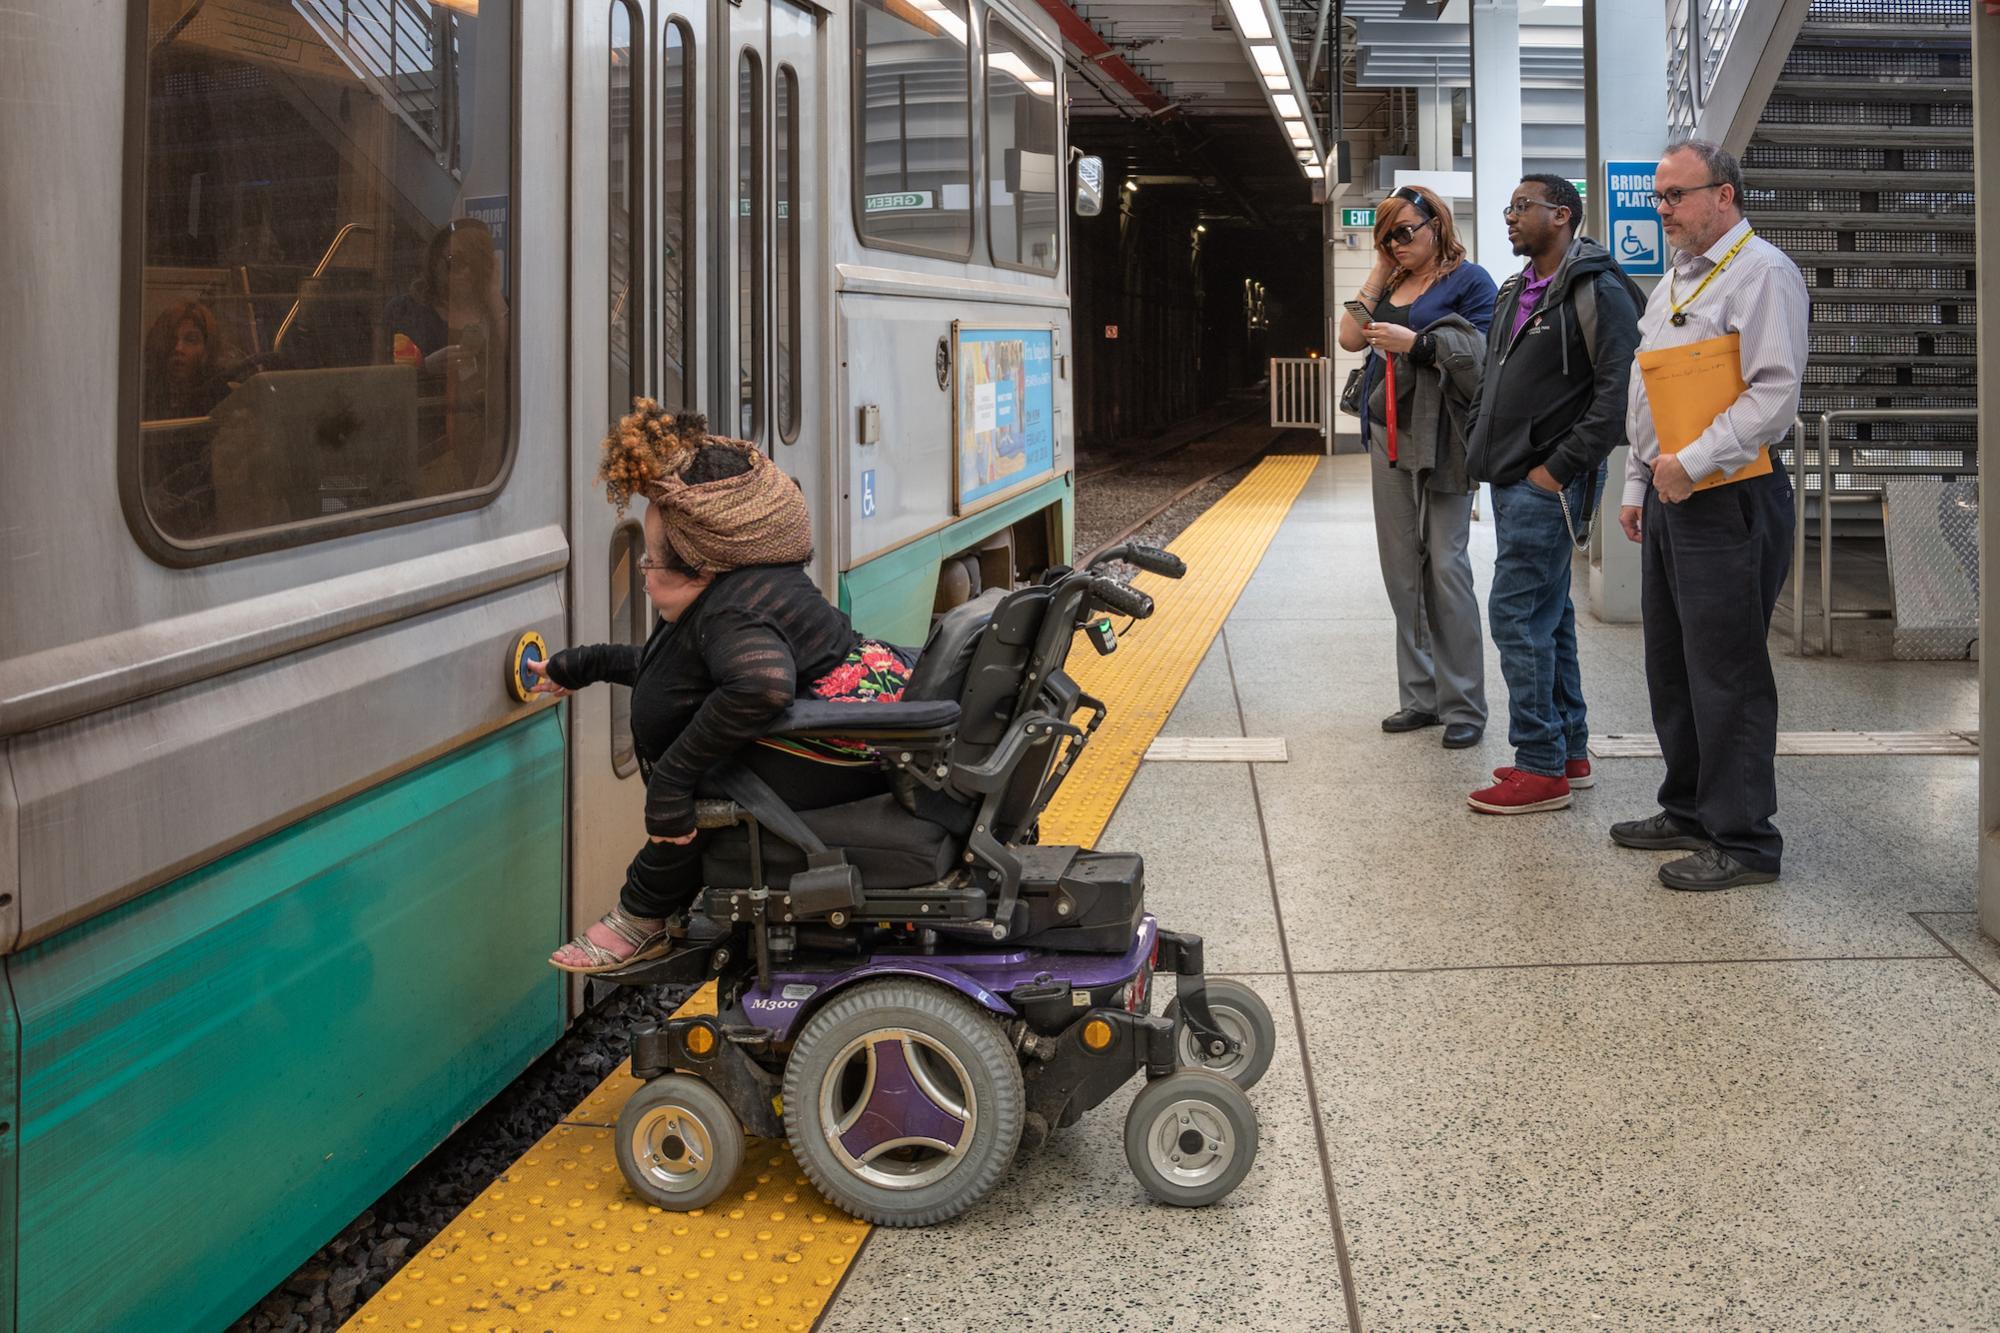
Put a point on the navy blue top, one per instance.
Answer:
(1467, 290)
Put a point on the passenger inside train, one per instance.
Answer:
(742, 632)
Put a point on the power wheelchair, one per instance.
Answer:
(920, 984)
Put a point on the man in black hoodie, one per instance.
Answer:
(1550, 410)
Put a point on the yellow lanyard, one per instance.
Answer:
(1674, 281)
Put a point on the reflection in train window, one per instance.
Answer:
(676, 213)
(749, 321)
(324, 306)
(621, 240)
(1022, 154)
(915, 97)
(631, 621)
(786, 124)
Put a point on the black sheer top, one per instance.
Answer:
(708, 684)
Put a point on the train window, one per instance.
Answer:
(621, 239)
(786, 124)
(322, 292)
(749, 320)
(676, 213)
(1024, 201)
(631, 616)
(915, 132)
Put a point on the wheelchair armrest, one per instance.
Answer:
(865, 721)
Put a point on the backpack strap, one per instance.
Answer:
(1586, 318)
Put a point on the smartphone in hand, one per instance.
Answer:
(1362, 314)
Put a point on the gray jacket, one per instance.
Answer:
(1432, 439)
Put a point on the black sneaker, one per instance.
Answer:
(1658, 834)
(1711, 868)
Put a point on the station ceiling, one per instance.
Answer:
(1165, 92)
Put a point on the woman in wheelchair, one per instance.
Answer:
(742, 633)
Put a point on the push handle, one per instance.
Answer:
(1155, 561)
(1121, 597)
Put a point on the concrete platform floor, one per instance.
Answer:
(1520, 1084)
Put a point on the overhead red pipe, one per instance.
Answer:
(1079, 34)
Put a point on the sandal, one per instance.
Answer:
(645, 944)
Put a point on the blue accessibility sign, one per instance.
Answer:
(1636, 240)
(868, 495)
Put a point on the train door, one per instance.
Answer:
(771, 335)
(614, 62)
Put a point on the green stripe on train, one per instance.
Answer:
(217, 1077)
(890, 597)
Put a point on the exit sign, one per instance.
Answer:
(1357, 217)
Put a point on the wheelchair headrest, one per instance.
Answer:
(947, 654)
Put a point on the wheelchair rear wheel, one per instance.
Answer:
(679, 1144)
(903, 1102)
(1190, 1137)
(1242, 1014)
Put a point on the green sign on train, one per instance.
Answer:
(899, 202)
(1357, 217)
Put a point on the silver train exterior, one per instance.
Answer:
(318, 311)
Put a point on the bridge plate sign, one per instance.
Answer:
(1636, 241)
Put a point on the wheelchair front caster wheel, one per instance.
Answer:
(679, 1144)
(1190, 1137)
(1242, 1014)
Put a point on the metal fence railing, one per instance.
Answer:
(1849, 459)
(1300, 394)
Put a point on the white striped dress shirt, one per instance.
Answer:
(1761, 297)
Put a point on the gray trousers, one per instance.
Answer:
(1440, 659)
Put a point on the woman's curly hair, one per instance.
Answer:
(648, 445)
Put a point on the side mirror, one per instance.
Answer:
(1089, 186)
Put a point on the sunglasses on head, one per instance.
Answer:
(1417, 204)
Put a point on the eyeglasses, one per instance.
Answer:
(646, 564)
(1520, 206)
(1406, 233)
(1674, 196)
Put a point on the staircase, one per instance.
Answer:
(1860, 168)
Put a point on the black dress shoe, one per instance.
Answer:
(1462, 735)
(1658, 834)
(1409, 719)
(1711, 868)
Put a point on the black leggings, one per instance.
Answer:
(664, 877)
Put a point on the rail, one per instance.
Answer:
(319, 271)
(1853, 467)
(1299, 394)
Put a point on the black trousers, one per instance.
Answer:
(1711, 569)
(664, 877)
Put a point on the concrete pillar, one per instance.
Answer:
(1434, 129)
(1986, 167)
(1496, 114)
(1625, 120)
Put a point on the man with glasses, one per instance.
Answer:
(1550, 410)
(1714, 521)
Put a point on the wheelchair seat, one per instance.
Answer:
(976, 747)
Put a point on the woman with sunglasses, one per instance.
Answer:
(1426, 337)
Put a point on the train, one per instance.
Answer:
(319, 311)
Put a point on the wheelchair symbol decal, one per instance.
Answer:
(1637, 241)
(868, 495)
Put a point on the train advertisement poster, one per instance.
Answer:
(1005, 412)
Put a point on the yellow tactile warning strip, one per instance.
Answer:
(558, 1242)
(1143, 680)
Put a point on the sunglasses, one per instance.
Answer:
(1406, 233)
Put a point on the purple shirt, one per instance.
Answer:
(1531, 296)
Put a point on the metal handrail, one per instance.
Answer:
(1854, 468)
(319, 271)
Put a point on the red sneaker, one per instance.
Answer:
(1518, 793)
(1576, 770)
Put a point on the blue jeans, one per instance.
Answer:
(1534, 624)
